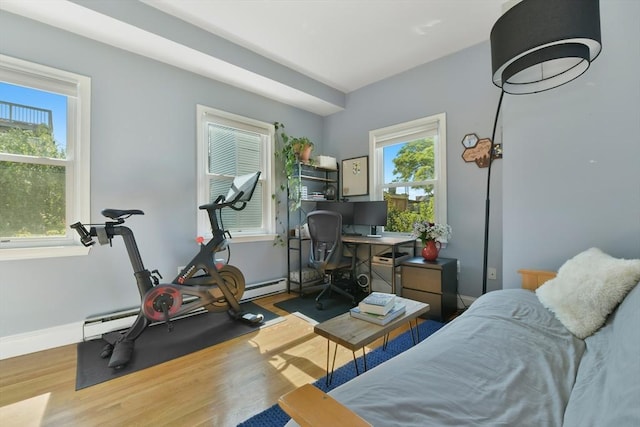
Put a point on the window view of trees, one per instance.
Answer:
(45, 141)
(408, 192)
(32, 200)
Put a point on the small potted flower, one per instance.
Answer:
(431, 234)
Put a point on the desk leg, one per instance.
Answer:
(393, 270)
(370, 271)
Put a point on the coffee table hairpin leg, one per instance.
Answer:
(414, 338)
(333, 362)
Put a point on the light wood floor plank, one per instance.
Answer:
(219, 386)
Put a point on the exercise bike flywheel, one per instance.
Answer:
(157, 298)
(234, 279)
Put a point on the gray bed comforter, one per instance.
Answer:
(506, 362)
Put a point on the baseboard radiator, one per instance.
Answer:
(100, 324)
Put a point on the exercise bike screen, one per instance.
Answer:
(245, 183)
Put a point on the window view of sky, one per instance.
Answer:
(390, 153)
(40, 99)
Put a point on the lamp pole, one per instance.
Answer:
(487, 211)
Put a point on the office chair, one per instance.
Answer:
(325, 254)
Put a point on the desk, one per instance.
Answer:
(391, 241)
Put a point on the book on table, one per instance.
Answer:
(398, 309)
(377, 303)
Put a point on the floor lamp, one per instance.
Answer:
(539, 45)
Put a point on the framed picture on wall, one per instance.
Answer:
(355, 176)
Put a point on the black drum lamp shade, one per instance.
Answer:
(538, 45)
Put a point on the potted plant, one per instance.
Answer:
(291, 151)
(302, 148)
(431, 234)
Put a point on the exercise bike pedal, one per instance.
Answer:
(252, 319)
(121, 354)
(248, 318)
(106, 351)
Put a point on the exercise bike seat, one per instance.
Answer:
(119, 213)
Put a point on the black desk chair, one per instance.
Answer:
(325, 255)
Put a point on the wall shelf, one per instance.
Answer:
(316, 179)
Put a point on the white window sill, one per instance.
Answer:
(238, 238)
(14, 254)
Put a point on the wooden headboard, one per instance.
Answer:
(533, 279)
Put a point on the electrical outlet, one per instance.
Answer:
(491, 273)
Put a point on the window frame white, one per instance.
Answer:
(379, 138)
(77, 89)
(207, 115)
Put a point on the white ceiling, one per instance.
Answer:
(344, 44)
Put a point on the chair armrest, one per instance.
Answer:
(311, 407)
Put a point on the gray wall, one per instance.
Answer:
(572, 158)
(571, 175)
(143, 155)
(571, 178)
(460, 86)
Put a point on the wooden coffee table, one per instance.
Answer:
(355, 334)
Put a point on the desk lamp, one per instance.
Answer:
(539, 45)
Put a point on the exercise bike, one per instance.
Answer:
(201, 284)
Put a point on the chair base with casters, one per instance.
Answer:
(330, 287)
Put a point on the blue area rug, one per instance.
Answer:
(276, 417)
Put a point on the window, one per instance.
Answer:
(230, 145)
(44, 159)
(409, 171)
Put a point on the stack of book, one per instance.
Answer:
(379, 308)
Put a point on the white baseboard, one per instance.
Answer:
(263, 289)
(43, 339)
(96, 326)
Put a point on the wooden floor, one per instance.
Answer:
(218, 386)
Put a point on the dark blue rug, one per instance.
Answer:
(276, 417)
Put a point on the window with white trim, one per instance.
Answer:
(230, 145)
(409, 171)
(44, 159)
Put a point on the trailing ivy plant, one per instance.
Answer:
(287, 150)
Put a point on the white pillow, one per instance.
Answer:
(587, 288)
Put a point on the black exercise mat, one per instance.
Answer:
(306, 305)
(157, 345)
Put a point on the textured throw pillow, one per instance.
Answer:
(587, 288)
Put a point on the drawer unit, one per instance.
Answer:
(422, 279)
(435, 283)
(434, 301)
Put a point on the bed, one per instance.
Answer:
(513, 358)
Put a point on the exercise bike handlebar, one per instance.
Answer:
(85, 236)
(220, 203)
